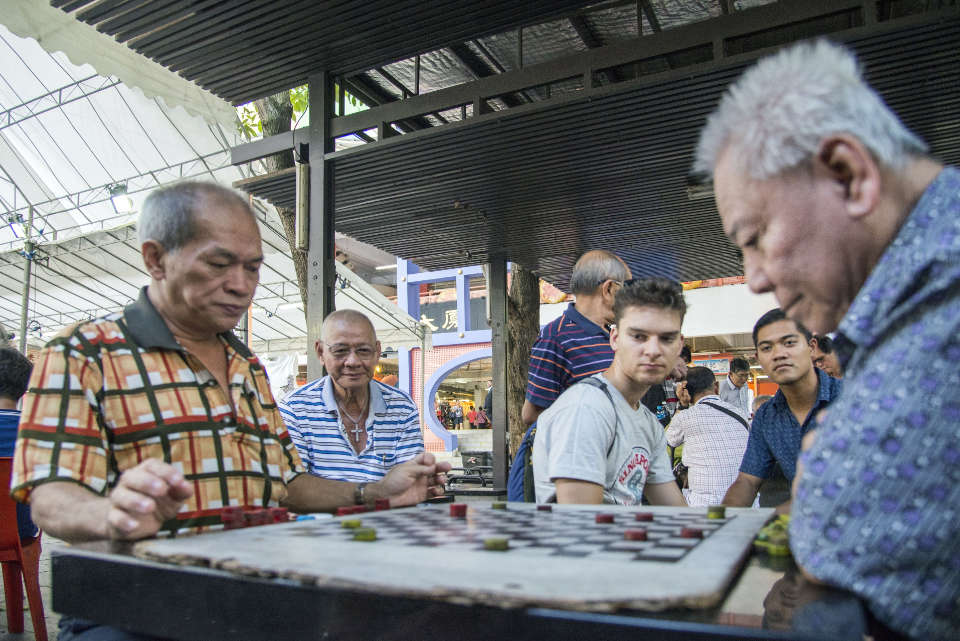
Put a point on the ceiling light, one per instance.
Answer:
(121, 201)
(385, 268)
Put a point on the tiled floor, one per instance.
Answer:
(27, 635)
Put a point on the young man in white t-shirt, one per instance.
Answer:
(597, 443)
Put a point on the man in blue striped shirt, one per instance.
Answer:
(577, 344)
(347, 426)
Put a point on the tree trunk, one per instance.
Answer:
(275, 113)
(523, 326)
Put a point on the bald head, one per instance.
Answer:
(594, 268)
(346, 318)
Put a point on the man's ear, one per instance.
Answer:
(614, 332)
(851, 167)
(318, 347)
(154, 259)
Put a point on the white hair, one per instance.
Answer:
(775, 115)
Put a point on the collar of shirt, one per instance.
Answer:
(148, 328)
(924, 238)
(828, 388)
(585, 324)
(708, 397)
(377, 404)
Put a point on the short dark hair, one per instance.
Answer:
(686, 354)
(169, 214)
(774, 315)
(15, 371)
(739, 364)
(700, 379)
(649, 292)
(824, 342)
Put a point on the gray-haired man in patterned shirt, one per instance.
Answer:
(841, 212)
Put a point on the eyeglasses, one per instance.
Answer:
(341, 351)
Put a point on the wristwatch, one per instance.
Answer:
(358, 494)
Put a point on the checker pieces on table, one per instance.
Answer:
(554, 534)
(517, 556)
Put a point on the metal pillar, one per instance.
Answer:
(321, 270)
(27, 270)
(497, 288)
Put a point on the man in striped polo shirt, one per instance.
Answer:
(347, 426)
(577, 344)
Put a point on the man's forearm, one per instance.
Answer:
(741, 493)
(308, 493)
(70, 512)
(529, 413)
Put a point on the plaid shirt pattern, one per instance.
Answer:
(110, 393)
(713, 445)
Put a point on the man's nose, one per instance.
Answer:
(756, 277)
(242, 281)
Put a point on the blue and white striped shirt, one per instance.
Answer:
(312, 418)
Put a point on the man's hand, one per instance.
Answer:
(683, 396)
(679, 372)
(145, 497)
(413, 481)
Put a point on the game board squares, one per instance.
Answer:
(617, 557)
(602, 538)
(661, 554)
(679, 543)
(569, 553)
(560, 540)
(580, 548)
(630, 546)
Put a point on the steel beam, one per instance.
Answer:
(57, 98)
(497, 288)
(321, 267)
(698, 34)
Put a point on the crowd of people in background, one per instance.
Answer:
(458, 415)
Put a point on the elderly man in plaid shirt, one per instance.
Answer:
(153, 419)
(714, 437)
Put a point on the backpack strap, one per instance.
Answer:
(593, 381)
(742, 420)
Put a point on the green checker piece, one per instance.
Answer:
(352, 524)
(365, 534)
(499, 506)
(716, 512)
(497, 544)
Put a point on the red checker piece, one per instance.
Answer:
(345, 510)
(257, 517)
(691, 533)
(278, 514)
(545, 508)
(358, 509)
(635, 535)
(604, 518)
(458, 509)
(643, 516)
(381, 504)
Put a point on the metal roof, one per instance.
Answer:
(246, 49)
(606, 168)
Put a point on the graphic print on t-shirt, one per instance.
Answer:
(632, 475)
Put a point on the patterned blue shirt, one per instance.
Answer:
(775, 434)
(312, 418)
(877, 509)
(568, 349)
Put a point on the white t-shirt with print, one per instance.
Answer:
(575, 433)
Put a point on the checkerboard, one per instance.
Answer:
(560, 558)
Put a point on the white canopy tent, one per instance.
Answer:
(81, 151)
